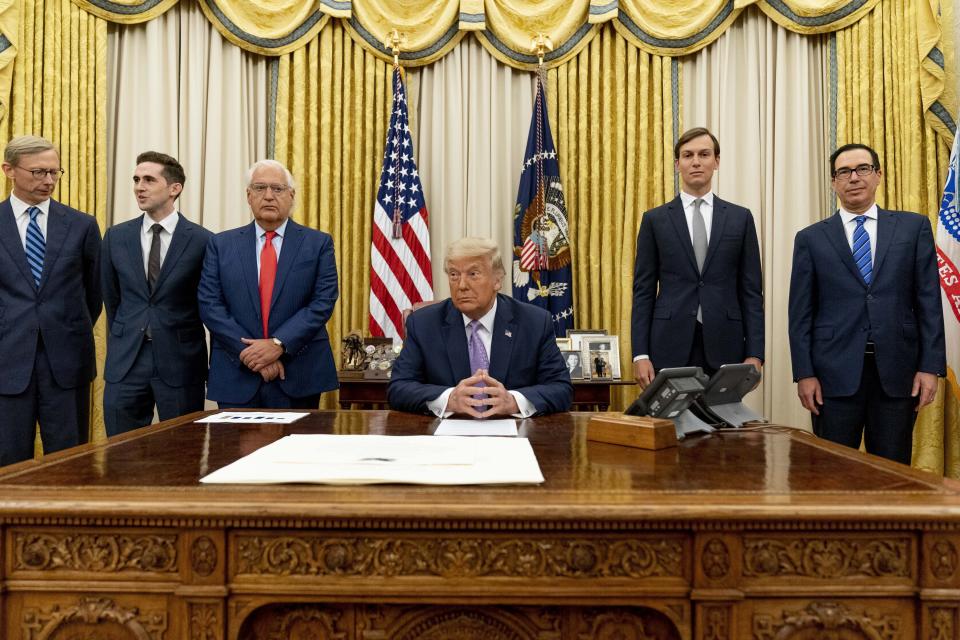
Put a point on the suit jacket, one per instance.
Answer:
(523, 356)
(62, 311)
(171, 310)
(303, 297)
(833, 313)
(668, 287)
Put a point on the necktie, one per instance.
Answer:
(36, 246)
(699, 243)
(478, 355)
(268, 274)
(153, 262)
(861, 250)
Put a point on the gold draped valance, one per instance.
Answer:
(432, 27)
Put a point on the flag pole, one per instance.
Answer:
(394, 40)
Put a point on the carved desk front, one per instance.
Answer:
(768, 534)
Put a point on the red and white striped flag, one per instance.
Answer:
(400, 271)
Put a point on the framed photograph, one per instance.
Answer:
(564, 344)
(577, 335)
(574, 361)
(601, 354)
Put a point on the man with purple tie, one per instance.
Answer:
(479, 354)
(866, 324)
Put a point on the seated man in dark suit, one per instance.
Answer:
(444, 367)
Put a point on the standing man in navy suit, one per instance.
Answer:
(49, 300)
(266, 293)
(150, 269)
(697, 285)
(866, 322)
(479, 354)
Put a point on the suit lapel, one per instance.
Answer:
(248, 263)
(886, 229)
(10, 238)
(716, 230)
(833, 230)
(501, 347)
(130, 238)
(679, 220)
(455, 339)
(181, 238)
(292, 239)
(58, 228)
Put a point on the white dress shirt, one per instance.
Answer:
(169, 225)
(485, 332)
(23, 218)
(870, 224)
(262, 239)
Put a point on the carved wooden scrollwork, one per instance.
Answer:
(459, 557)
(943, 623)
(99, 618)
(203, 556)
(826, 620)
(283, 622)
(621, 623)
(205, 621)
(943, 559)
(827, 558)
(100, 553)
(716, 622)
(715, 559)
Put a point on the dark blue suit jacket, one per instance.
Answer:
(668, 287)
(64, 308)
(171, 310)
(832, 311)
(524, 357)
(304, 294)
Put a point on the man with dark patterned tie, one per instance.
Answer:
(479, 354)
(49, 300)
(866, 323)
(266, 293)
(150, 269)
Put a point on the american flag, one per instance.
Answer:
(400, 274)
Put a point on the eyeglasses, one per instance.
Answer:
(40, 174)
(845, 173)
(259, 188)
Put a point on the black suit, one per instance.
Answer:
(834, 314)
(46, 333)
(170, 369)
(668, 288)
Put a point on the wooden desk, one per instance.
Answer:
(358, 393)
(767, 535)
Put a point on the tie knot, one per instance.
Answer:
(270, 235)
(860, 220)
(474, 325)
(33, 212)
(156, 228)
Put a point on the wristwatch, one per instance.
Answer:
(279, 343)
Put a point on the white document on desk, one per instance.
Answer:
(254, 417)
(449, 427)
(366, 459)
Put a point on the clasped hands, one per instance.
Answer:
(262, 356)
(499, 401)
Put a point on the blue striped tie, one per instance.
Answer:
(861, 250)
(36, 246)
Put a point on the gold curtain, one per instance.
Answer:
(878, 102)
(59, 91)
(333, 109)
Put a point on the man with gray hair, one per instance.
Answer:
(479, 353)
(266, 293)
(49, 300)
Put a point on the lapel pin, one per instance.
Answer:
(508, 333)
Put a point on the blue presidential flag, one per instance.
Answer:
(542, 274)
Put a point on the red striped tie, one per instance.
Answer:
(268, 273)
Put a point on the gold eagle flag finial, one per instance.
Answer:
(393, 41)
(540, 44)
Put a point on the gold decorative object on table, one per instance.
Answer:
(352, 357)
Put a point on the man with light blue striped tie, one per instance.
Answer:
(49, 300)
(866, 323)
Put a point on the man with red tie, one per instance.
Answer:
(266, 292)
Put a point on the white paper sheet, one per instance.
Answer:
(506, 427)
(254, 417)
(364, 459)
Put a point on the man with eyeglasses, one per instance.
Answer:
(49, 300)
(266, 293)
(150, 268)
(479, 354)
(866, 323)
